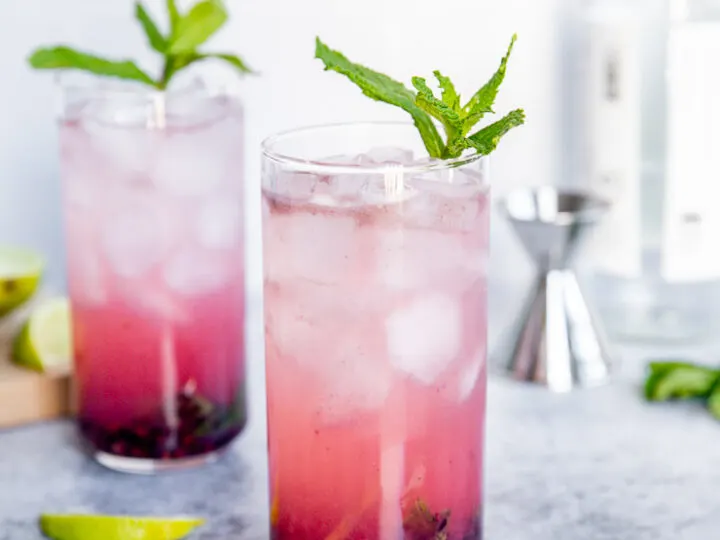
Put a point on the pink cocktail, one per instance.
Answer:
(153, 192)
(375, 332)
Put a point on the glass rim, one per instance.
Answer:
(70, 81)
(319, 166)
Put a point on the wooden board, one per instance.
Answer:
(25, 396)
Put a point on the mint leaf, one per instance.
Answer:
(179, 49)
(66, 58)
(155, 38)
(173, 15)
(487, 139)
(382, 88)
(436, 108)
(481, 103)
(424, 106)
(448, 117)
(449, 95)
(202, 21)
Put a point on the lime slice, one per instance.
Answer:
(78, 527)
(45, 341)
(20, 273)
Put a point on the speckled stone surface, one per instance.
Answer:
(596, 465)
(593, 465)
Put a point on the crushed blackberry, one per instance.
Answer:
(202, 427)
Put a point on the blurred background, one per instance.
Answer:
(595, 78)
(276, 37)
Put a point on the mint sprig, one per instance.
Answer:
(380, 87)
(457, 120)
(178, 47)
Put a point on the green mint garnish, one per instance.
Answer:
(425, 108)
(178, 47)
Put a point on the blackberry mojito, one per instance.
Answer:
(153, 218)
(375, 298)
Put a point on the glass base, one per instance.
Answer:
(143, 466)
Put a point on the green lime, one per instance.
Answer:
(79, 527)
(20, 273)
(45, 341)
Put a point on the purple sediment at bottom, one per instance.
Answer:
(202, 427)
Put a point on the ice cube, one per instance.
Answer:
(291, 324)
(196, 162)
(219, 224)
(120, 138)
(342, 347)
(387, 188)
(323, 248)
(294, 186)
(194, 272)
(424, 337)
(80, 191)
(186, 167)
(136, 240)
(456, 205)
(410, 259)
(388, 154)
(341, 190)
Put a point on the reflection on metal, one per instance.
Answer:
(557, 341)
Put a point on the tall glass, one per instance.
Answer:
(375, 332)
(153, 194)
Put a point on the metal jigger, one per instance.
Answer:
(557, 342)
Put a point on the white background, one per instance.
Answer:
(463, 38)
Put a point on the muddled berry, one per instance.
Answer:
(202, 427)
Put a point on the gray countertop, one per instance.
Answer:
(592, 465)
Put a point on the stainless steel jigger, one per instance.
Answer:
(556, 341)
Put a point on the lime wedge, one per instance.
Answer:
(78, 527)
(45, 341)
(20, 273)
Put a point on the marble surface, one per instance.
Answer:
(592, 465)
(596, 465)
